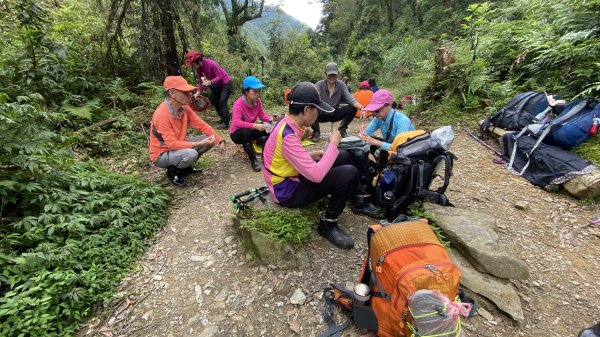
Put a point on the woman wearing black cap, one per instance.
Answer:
(296, 177)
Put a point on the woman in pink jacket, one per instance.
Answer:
(246, 111)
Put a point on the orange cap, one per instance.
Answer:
(177, 82)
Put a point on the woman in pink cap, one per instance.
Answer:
(212, 75)
(389, 121)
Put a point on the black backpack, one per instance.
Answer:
(524, 109)
(409, 174)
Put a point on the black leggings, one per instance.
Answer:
(220, 95)
(242, 136)
(342, 182)
(347, 113)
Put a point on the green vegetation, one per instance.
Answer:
(282, 224)
(79, 81)
(417, 211)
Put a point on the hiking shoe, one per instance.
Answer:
(316, 136)
(591, 332)
(328, 228)
(192, 170)
(175, 175)
(222, 126)
(368, 209)
(255, 165)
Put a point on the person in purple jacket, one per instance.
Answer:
(212, 75)
(246, 111)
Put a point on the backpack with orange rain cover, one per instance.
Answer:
(404, 257)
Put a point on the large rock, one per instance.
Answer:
(585, 186)
(500, 292)
(474, 235)
(271, 251)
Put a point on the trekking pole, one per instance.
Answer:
(240, 202)
(486, 145)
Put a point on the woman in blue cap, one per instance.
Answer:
(246, 111)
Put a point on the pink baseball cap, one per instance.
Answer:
(379, 99)
(364, 85)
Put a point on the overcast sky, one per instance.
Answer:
(306, 11)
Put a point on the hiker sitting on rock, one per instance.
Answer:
(246, 110)
(388, 120)
(169, 147)
(296, 177)
(333, 92)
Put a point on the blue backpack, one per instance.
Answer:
(572, 126)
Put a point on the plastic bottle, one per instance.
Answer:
(594, 129)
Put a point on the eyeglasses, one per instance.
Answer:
(376, 112)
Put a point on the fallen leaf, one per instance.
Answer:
(295, 326)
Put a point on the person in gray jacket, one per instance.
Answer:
(334, 92)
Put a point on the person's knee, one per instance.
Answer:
(189, 157)
(344, 157)
(350, 174)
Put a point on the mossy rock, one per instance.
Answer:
(271, 251)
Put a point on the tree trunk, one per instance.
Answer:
(167, 21)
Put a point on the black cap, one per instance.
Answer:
(307, 93)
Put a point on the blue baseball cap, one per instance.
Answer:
(252, 82)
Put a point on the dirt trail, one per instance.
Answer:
(196, 280)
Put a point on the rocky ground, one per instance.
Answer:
(196, 280)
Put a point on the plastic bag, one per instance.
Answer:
(435, 315)
(444, 136)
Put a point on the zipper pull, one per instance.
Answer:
(435, 271)
(379, 262)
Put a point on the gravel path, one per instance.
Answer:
(197, 280)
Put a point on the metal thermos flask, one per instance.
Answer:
(361, 294)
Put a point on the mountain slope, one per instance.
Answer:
(257, 31)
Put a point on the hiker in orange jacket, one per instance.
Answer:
(363, 96)
(169, 148)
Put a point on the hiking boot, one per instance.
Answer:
(316, 136)
(192, 170)
(249, 149)
(591, 332)
(328, 228)
(344, 123)
(362, 205)
(222, 126)
(175, 175)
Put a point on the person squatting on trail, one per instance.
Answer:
(246, 110)
(296, 177)
(333, 92)
(388, 120)
(168, 146)
(212, 75)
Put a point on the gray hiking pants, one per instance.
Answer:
(182, 158)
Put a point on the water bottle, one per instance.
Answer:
(594, 129)
(361, 294)
(388, 198)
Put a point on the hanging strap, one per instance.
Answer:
(389, 130)
(333, 330)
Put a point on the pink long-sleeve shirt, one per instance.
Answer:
(285, 160)
(245, 114)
